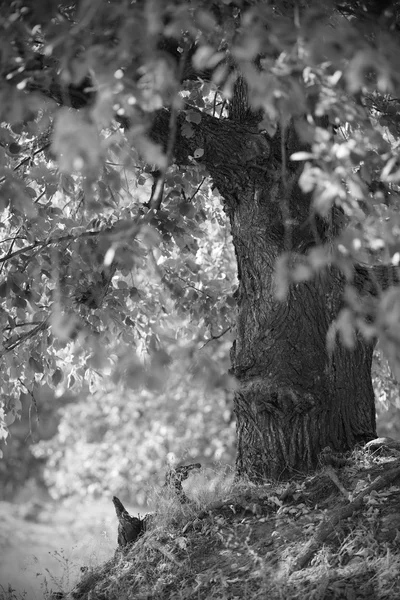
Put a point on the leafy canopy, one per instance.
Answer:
(115, 262)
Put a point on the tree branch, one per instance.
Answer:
(233, 153)
(196, 190)
(25, 336)
(44, 243)
(216, 337)
(25, 324)
(9, 251)
(25, 160)
(155, 201)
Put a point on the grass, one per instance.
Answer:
(235, 540)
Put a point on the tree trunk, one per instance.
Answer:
(294, 396)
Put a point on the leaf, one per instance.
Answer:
(75, 142)
(281, 277)
(324, 201)
(31, 192)
(109, 256)
(193, 117)
(301, 272)
(57, 377)
(187, 209)
(151, 152)
(206, 58)
(9, 418)
(345, 327)
(173, 194)
(319, 257)
(187, 130)
(17, 405)
(231, 300)
(14, 148)
(297, 156)
(35, 365)
(181, 542)
(20, 302)
(194, 267)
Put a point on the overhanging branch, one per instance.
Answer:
(14, 343)
(49, 242)
(132, 230)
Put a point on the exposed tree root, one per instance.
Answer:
(329, 523)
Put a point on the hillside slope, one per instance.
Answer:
(331, 535)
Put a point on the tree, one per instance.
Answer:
(122, 121)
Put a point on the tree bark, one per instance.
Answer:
(294, 396)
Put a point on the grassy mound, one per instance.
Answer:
(332, 535)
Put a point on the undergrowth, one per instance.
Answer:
(236, 540)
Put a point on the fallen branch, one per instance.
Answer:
(332, 475)
(328, 524)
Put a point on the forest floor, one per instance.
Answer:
(333, 535)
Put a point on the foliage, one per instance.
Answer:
(118, 440)
(105, 279)
(21, 472)
(386, 389)
(91, 279)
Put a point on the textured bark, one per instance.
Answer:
(294, 397)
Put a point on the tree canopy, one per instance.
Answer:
(116, 263)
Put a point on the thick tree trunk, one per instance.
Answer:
(294, 397)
